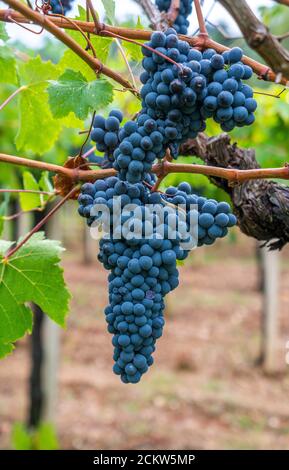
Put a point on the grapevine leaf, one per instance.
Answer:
(74, 62)
(139, 24)
(70, 59)
(102, 47)
(72, 92)
(3, 210)
(45, 184)
(7, 66)
(29, 201)
(5, 349)
(134, 51)
(37, 130)
(109, 7)
(3, 33)
(33, 275)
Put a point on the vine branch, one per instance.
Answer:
(173, 11)
(201, 20)
(267, 220)
(283, 2)
(161, 169)
(49, 25)
(37, 227)
(153, 13)
(263, 71)
(258, 36)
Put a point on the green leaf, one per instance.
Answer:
(45, 184)
(5, 349)
(29, 201)
(109, 7)
(70, 59)
(4, 210)
(21, 439)
(72, 92)
(3, 33)
(7, 66)
(139, 24)
(37, 128)
(46, 438)
(33, 275)
(42, 438)
(102, 47)
(133, 50)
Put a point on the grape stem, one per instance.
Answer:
(98, 25)
(151, 49)
(201, 20)
(262, 70)
(168, 158)
(10, 98)
(161, 169)
(37, 227)
(87, 39)
(173, 12)
(121, 50)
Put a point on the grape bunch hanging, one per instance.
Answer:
(181, 23)
(182, 88)
(60, 7)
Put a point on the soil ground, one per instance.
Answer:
(205, 390)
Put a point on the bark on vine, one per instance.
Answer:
(261, 206)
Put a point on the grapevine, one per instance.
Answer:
(146, 231)
(142, 265)
(60, 7)
(181, 23)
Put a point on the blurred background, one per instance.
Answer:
(220, 378)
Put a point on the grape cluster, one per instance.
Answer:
(229, 101)
(213, 218)
(181, 23)
(141, 144)
(106, 132)
(177, 98)
(61, 7)
(141, 252)
(181, 96)
(143, 270)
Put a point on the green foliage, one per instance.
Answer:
(42, 438)
(5, 349)
(3, 34)
(33, 274)
(8, 72)
(277, 18)
(109, 7)
(102, 46)
(133, 50)
(73, 93)
(30, 201)
(37, 130)
(3, 212)
(72, 61)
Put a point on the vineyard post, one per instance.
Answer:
(270, 310)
